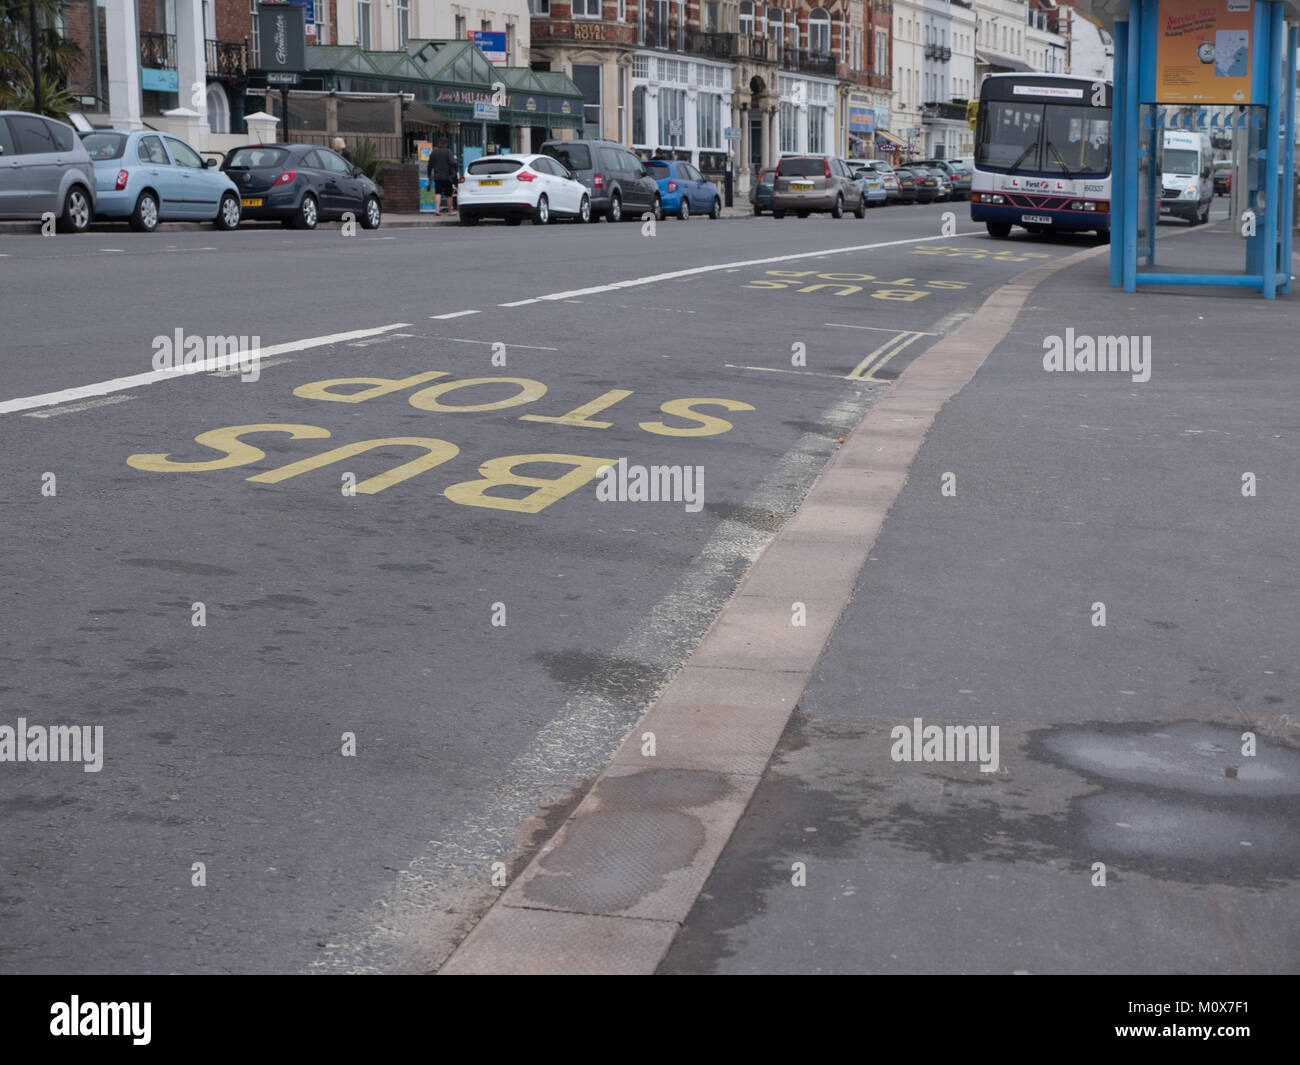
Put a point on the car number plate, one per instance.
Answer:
(488, 182)
(1036, 219)
(801, 185)
(251, 203)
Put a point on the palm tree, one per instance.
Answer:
(57, 54)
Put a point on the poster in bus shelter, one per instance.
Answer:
(1203, 52)
(423, 149)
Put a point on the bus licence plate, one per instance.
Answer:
(1037, 219)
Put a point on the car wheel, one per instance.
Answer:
(778, 214)
(1001, 230)
(514, 220)
(308, 213)
(615, 212)
(657, 209)
(1205, 215)
(228, 212)
(837, 211)
(76, 211)
(542, 215)
(802, 214)
(715, 212)
(144, 219)
(584, 211)
(758, 211)
(861, 210)
(468, 219)
(371, 213)
(684, 210)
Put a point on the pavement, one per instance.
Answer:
(675, 755)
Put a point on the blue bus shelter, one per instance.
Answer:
(1222, 68)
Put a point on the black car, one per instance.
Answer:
(620, 185)
(301, 184)
(907, 182)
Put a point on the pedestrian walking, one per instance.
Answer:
(341, 146)
(442, 171)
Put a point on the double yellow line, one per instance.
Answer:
(866, 369)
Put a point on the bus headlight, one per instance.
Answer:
(988, 197)
(1083, 205)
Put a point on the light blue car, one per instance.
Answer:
(873, 186)
(148, 177)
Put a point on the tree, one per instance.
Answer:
(58, 56)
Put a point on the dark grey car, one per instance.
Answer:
(621, 186)
(45, 170)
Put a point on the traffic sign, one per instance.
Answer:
(732, 133)
(675, 126)
(486, 110)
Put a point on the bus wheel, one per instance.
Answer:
(1103, 236)
(1001, 230)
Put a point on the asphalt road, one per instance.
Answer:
(378, 615)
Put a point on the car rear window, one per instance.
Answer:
(574, 156)
(494, 166)
(801, 168)
(659, 170)
(104, 145)
(258, 158)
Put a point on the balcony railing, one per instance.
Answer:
(226, 59)
(728, 45)
(807, 62)
(158, 51)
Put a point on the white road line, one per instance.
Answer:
(121, 384)
(72, 408)
(779, 369)
(876, 328)
(695, 271)
(453, 314)
(261, 366)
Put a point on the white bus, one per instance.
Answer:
(1042, 154)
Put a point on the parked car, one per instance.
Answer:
(619, 184)
(907, 182)
(683, 189)
(927, 183)
(760, 193)
(1223, 181)
(958, 174)
(515, 187)
(45, 169)
(887, 174)
(942, 190)
(300, 185)
(149, 177)
(808, 183)
(873, 185)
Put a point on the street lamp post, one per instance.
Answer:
(36, 59)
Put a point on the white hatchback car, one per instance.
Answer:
(517, 186)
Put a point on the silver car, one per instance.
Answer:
(807, 183)
(45, 170)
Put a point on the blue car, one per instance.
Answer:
(683, 191)
(873, 186)
(149, 177)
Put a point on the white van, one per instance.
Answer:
(1187, 176)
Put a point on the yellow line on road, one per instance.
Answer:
(885, 352)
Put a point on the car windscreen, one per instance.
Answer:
(960, 168)
(574, 156)
(493, 166)
(801, 168)
(659, 170)
(257, 158)
(104, 145)
(1180, 161)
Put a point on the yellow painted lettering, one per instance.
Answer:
(430, 398)
(436, 452)
(905, 295)
(228, 440)
(844, 290)
(379, 386)
(847, 277)
(582, 415)
(683, 408)
(498, 473)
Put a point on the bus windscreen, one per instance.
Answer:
(1064, 139)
